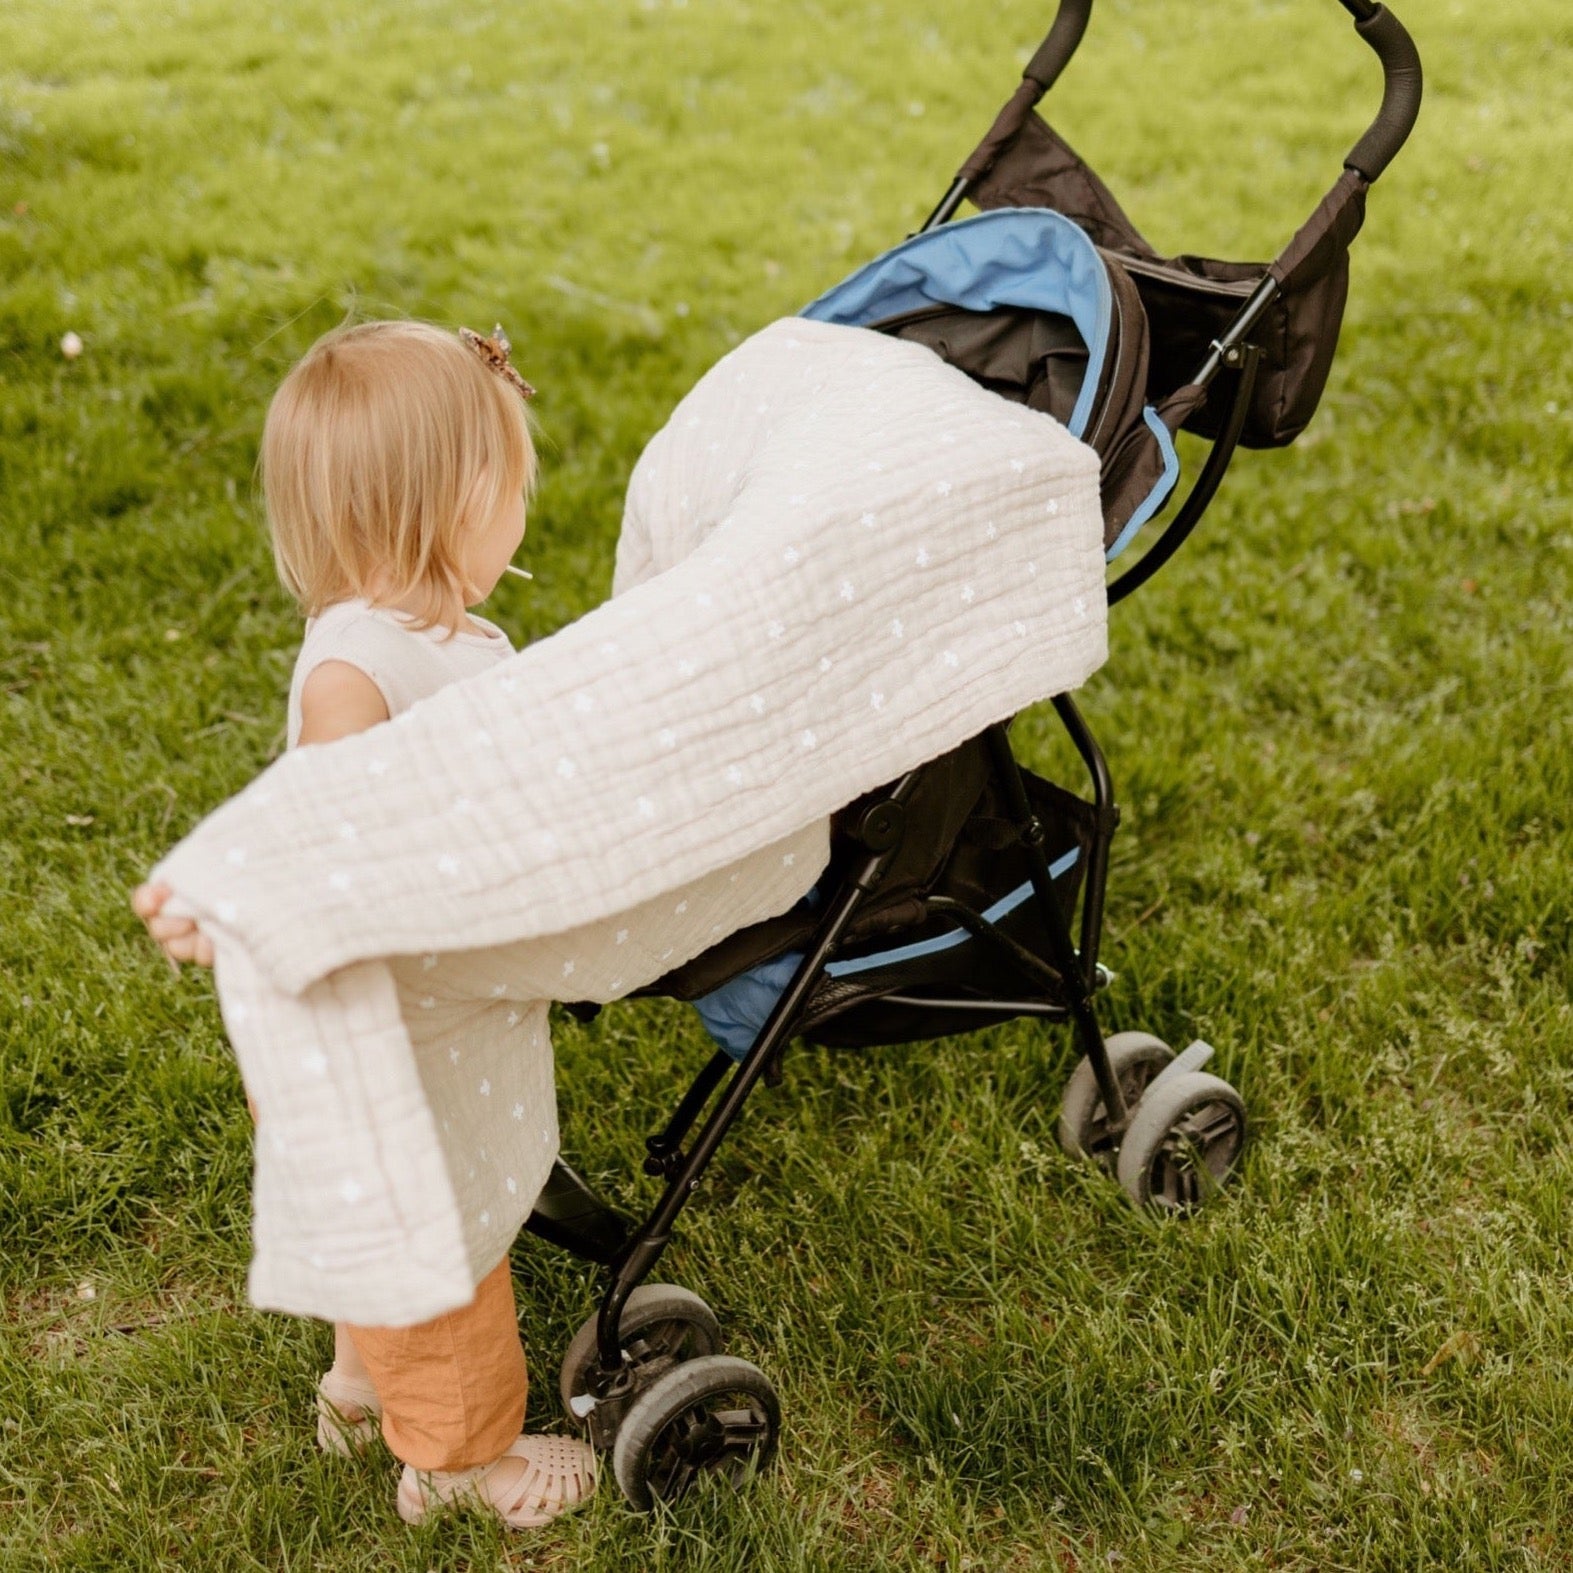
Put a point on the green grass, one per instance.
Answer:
(1339, 724)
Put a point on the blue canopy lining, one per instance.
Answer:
(1024, 257)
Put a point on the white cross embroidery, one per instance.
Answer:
(447, 864)
(236, 856)
(566, 768)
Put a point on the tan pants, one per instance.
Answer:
(453, 1389)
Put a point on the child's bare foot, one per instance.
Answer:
(538, 1478)
(349, 1413)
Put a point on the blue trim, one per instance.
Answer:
(954, 937)
(1028, 257)
(1154, 499)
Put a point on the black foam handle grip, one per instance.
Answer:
(1055, 51)
(1401, 89)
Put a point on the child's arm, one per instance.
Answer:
(338, 699)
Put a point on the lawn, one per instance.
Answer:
(1338, 723)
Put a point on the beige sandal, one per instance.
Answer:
(349, 1414)
(538, 1478)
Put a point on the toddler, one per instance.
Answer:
(396, 461)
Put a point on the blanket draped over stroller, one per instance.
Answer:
(839, 559)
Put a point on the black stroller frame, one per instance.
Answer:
(643, 1374)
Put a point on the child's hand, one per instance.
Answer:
(179, 938)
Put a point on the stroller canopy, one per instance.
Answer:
(1023, 301)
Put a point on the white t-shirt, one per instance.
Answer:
(405, 662)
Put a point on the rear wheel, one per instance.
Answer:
(1135, 1058)
(1183, 1142)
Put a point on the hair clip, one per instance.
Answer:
(495, 351)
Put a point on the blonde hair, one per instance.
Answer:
(383, 448)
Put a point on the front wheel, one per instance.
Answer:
(662, 1326)
(715, 1417)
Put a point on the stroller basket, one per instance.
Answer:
(909, 967)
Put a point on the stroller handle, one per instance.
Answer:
(1374, 23)
(1055, 52)
(1401, 87)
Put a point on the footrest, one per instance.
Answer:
(568, 1214)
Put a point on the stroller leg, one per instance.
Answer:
(881, 833)
(1078, 972)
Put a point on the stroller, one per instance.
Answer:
(952, 895)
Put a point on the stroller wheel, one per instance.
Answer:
(1135, 1058)
(1182, 1143)
(663, 1325)
(716, 1416)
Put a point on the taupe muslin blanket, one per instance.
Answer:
(839, 559)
